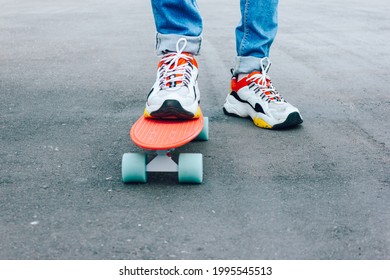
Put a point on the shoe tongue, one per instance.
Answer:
(259, 73)
(172, 85)
(181, 60)
(258, 80)
(174, 79)
(254, 73)
(246, 76)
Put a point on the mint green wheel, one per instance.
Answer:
(190, 168)
(134, 168)
(204, 134)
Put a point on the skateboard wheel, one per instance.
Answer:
(204, 134)
(190, 168)
(134, 168)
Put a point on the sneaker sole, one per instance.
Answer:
(172, 109)
(292, 120)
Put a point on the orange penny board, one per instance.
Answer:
(158, 134)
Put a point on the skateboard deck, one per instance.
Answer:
(160, 137)
(159, 134)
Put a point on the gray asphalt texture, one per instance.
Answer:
(74, 76)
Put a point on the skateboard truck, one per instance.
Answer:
(162, 162)
(189, 166)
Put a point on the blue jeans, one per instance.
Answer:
(255, 32)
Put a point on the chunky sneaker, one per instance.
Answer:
(254, 96)
(175, 94)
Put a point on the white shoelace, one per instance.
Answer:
(170, 72)
(269, 91)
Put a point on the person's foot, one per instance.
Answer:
(175, 94)
(253, 95)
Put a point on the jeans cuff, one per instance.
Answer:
(167, 42)
(247, 64)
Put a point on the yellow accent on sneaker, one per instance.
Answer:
(261, 123)
(146, 114)
(198, 113)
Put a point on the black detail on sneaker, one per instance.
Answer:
(195, 92)
(166, 51)
(292, 120)
(172, 109)
(150, 92)
(257, 107)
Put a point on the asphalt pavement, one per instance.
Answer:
(74, 76)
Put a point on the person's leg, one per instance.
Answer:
(253, 94)
(177, 19)
(175, 94)
(255, 33)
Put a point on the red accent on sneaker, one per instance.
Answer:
(181, 60)
(237, 85)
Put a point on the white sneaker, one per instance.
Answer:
(254, 96)
(175, 94)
